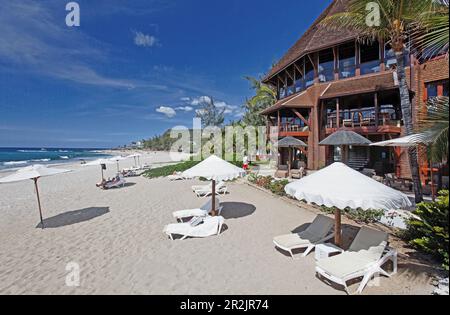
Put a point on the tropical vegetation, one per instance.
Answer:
(428, 231)
(397, 21)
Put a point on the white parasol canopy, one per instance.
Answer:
(405, 142)
(214, 168)
(33, 172)
(340, 186)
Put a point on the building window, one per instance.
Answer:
(347, 61)
(309, 73)
(435, 89)
(326, 65)
(299, 80)
(370, 58)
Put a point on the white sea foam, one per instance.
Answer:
(14, 163)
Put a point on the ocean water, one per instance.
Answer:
(21, 157)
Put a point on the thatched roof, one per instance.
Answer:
(315, 38)
(289, 142)
(345, 137)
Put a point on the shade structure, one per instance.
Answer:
(117, 159)
(100, 162)
(33, 172)
(291, 142)
(341, 187)
(214, 169)
(345, 137)
(135, 156)
(406, 142)
(413, 140)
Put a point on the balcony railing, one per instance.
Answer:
(362, 118)
(289, 128)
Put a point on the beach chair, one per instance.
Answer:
(203, 211)
(221, 189)
(202, 187)
(349, 122)
(176, 176)
(365, 258)
(318, 232)
(197, 227)
(120, 182)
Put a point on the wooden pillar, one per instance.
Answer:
(358, 59)
(338, 114)
(377, 109)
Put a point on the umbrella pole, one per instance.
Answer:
(118, 168)
(103, 178)
(289, 162)
(39, 201)
(213, 202)
(337, 227)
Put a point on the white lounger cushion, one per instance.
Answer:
(366, 249)
(202, 211)
(209, 227)
(348, 263)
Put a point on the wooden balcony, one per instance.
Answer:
(290, 131)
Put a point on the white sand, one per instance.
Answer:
(123, 250)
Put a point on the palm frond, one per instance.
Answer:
(435, 122)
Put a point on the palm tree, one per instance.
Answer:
(398, 18)
(265, 96)
(435, 38)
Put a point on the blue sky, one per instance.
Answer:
(133, 69)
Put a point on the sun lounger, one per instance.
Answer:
(318, 232)
(202, 187)
(200, 212)
(176, 176)
(207, 226)
(365, 258)
(117, 182)
(221, 189)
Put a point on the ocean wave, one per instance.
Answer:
(41, 160)
(14, 163)
(64, 157)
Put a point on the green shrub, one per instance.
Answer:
(269, 183)
(429, 232)
(170, 169)
(358, 215)
(277, 187)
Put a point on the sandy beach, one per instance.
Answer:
(116, 238)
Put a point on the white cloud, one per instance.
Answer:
(200, 100)
(168, 111)
(144, 40)
(185, 99)
(185, 108)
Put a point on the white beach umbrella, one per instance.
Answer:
(117, 159)
(341, 187)
(135, 156)
(100, 162)
(214, 169)
(406, 142)
(33, 172)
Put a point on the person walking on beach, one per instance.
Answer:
(245, 163)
